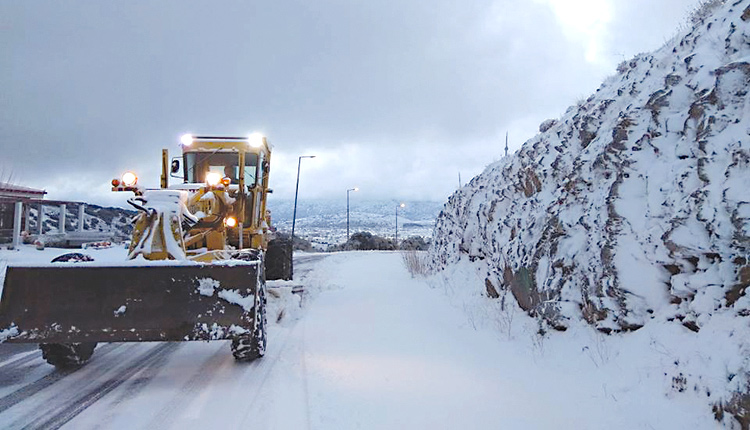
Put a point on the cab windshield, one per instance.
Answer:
(197, 164)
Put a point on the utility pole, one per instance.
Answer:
(398, 206)
(294, 216)
(506, 143)
(355, 189)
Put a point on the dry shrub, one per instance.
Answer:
(415, 262)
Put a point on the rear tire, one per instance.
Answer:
(279, 259)
(248, 347)
(67, 355)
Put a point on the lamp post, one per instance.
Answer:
(355, 189)
(401, 205)
(296, 192)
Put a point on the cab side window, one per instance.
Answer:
(251, 168)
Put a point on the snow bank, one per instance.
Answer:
(632, 209)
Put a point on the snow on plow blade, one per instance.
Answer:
(128, 303)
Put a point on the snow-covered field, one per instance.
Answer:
(370, 347)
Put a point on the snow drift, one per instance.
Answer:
(632, 207)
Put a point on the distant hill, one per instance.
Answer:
(324, 221)
(97, 218)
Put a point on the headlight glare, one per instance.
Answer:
(213, 178)
(129, 179)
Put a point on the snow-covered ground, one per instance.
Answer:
(370, 347)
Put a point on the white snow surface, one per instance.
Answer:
(632, 209)
(373, 348)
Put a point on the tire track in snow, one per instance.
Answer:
(9, 352)
(304, 264)
(134, 386)
(62, 415)
(205, 373)
(258, 372)
(11, 364)
(29, 390)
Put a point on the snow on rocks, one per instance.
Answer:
(633, 206)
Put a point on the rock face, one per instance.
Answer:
(635, 203)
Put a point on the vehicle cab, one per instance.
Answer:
(237, 167)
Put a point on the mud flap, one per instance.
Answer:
(80, 303)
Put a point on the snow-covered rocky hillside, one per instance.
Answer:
(633, 208)
(111, 222)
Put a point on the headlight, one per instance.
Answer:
(129, 179)
(213, 178)
(187, 139)
(255, 140)
(230, 221)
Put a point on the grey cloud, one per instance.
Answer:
(421, 89)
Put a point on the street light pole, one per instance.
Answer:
(399, 206)
(296, 192)
(355, 189)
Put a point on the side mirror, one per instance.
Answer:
(269, 191)
(175, 168)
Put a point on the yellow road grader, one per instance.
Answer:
(200, 253)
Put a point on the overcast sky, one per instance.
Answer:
(394, 96)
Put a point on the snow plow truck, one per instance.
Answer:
(200, 253)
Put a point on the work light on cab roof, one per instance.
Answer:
(255, 140)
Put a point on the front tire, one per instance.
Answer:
(67, 355)
(251, 346)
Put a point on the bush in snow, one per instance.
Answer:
(416, 243)
(365, 241)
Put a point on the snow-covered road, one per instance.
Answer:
(370, 348)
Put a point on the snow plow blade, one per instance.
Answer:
(76, 303)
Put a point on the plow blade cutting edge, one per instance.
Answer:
(76, 303)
